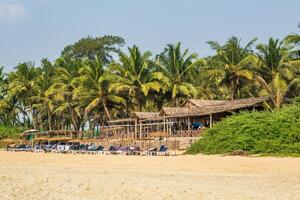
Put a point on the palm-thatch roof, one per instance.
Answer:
(199, 103)
(41, 139)
(60, 139)
(144, 115)
(56, 132)
(219, 107)
(173, 111)
(121, 120)
(113, 128)
(10, 140)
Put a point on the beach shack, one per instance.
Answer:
(197, 114)
(188, 120)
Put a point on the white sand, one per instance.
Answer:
(55, 176)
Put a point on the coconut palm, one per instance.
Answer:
(277, 74)
(133, 75)
(43, 98)
(63, 89)
(294, 39)
(3, 83)
(93, 90)
(174, 72)
(22, 86)
(236, 64)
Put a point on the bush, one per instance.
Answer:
(254, 132)
(10, 132)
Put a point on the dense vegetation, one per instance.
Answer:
(94, 81)
(11, 132)
(275, 132)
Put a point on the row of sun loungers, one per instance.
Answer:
(93, 149)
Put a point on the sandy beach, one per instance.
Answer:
(56, 176)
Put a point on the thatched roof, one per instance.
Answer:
(55, 132)
(114, 128)
(225, 106)
(41, 139)
(10, 140)
(199, 103)
(60, 139)
(144, 115)
(174, 111)
(121, 120)
(75, 141)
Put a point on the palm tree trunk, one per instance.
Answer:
(107, 114)
(233, 90)
(33, 117)
(49, 120)
(73, 118)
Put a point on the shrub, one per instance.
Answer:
(10, 132)
(266, 132)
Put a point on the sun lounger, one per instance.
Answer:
(163, 151)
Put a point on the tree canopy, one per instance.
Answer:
(94, 81)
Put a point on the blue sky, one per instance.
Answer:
(34, 29)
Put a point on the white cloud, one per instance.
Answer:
(13, 13)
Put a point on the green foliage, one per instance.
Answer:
(90, 84)
(256, 132)
(90, 48)
(10, 132)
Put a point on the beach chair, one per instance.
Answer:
(114, 150)
(100, 150)
(163, 151)
(150, 152)
(82, 149)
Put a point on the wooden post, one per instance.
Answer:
(210, 120)
(135, 128)
(140, 129)
(167, 126)
(188, 123)
(164, 123)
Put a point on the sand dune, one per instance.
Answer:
(56, 176)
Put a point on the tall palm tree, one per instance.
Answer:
(22, 85)
(133, 75)
(236, 63)
(277, 73)
(94, 86)
(44, 100)
(3, 83)
(175, 71)
(63, 89)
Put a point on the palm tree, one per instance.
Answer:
(3, 83)
(277, 74)
(294, 39)
(63, 89)
(175, 71)
(236, 64)
(93, 90)
(22, 85)
(43, 98)
(133, 75)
